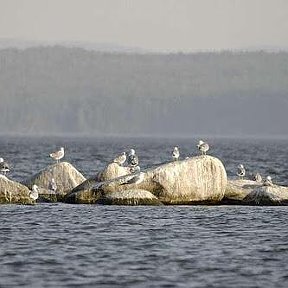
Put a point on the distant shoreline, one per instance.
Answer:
(112, 48)
(156, 137)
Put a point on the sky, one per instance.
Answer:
(170, 25)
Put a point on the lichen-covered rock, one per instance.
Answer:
(113, 170)
(237, 190)
(13, 192)
(194, 180)
(267, 195)
(65, 175)
(130, 197)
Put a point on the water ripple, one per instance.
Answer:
(61, 245)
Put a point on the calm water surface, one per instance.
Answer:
(62, 245)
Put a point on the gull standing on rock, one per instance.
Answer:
(268, 181)
(34, 194)
(241, 171)
(203, 147)
(4, 167)
(175, 153)
(121, 159)
(258, 178)
(132, 158)
(58, 155)
(135, 169)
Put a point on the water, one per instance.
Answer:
(62, 245)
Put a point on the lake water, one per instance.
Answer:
(62, 245)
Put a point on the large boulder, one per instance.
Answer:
(13, 192)
(194, 180)
(65, 175)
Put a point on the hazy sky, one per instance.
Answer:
(150, 24)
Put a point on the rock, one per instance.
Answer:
(65, 175)
(194, 180)
(113, 170)
(248, 192)
(49, 196)
(130, 197)
(13, 192)
(237, 190)
(267, 195)
(84, 193)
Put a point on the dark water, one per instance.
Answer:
(61, 245)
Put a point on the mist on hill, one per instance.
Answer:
(60, 90)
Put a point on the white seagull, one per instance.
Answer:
(203, 147)
(175, 153)
(132, 158)
(121, 159)
(4, 167)
(134, 169)
(34, 194)
(241, 171)
(58, 155)
(268, 181)
(258, 178)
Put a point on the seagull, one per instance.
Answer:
(137, 179)
(52, 185)
(175, 153)
(135, 169)
(258, 177)
(4, 167)
(34, 194)
(121, 159)
(58, 155)
(268, 181)
(132, 158)
(203, 147)
(241, 171)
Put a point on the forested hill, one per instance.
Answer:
(71, 90)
